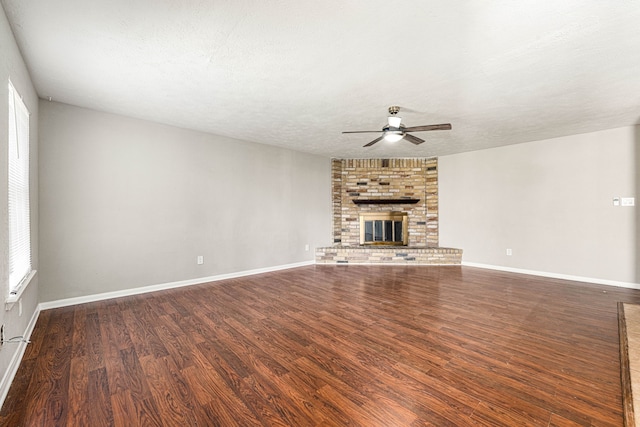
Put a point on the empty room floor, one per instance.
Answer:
(332, 346)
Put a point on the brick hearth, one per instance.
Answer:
(388, 255)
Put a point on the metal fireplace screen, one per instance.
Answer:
(384, 228)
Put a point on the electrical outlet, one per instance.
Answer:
(200, 260)
(509, 252)
(306, 247)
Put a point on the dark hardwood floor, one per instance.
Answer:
(331, 346)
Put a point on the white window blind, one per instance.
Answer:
(19, 221)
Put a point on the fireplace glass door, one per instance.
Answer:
(388, 228)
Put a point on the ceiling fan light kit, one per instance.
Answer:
(393, 136)
(394, 131)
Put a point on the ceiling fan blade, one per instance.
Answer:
(362, 131)
(374, 141)
(413, 139)
(444, 126)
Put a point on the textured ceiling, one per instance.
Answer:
(296, 73)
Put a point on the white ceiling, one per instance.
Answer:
(296, 73)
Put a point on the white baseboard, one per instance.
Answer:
(171, 285)
(11, 371)
(555, 275)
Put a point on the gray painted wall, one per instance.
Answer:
(549, 201)
(127, 203)
(13, 67)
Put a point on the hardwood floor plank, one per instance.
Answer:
(49, 385)
(97, 403)
(167, 395)
(253, 344)
(120, 332)
(331, 346)
(142, 321)
(220, 403)
(259, 407)
(279, 400)
(40, 386)
(352, 413)
(136, 380)
(78, 382)
(558, 421)
(38, 335)
(144, 411)
(123, 409)
(111, 355)
(491, 415)
(175, 341)
(532, 403)
(94, 347)
(17, 399)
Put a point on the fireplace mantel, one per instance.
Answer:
(385, 201)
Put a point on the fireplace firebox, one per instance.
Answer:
(384, 228)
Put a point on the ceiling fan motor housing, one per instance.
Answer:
(394, 109)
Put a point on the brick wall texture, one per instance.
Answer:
(385, 179)
(388, 255)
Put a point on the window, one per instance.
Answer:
(19, 221)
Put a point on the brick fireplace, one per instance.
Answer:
(391, 187)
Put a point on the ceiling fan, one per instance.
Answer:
(395, 131)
